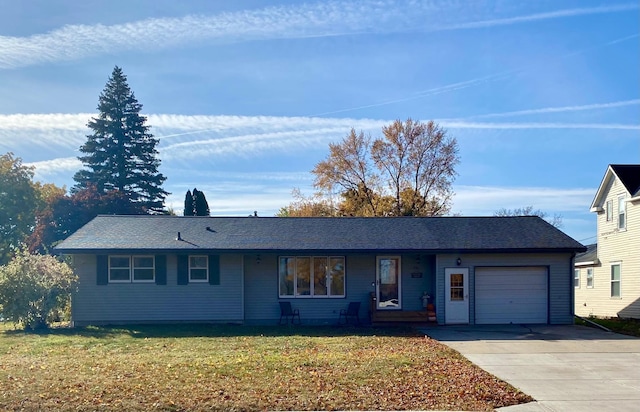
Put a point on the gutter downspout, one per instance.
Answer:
(573, 288)
(597, 325)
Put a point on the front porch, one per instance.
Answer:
(378, 316)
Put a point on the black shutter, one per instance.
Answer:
(161, 269)
(214, 269)
(102, 269)
(183, 270)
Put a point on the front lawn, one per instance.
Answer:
(204, 367)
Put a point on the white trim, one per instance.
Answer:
(611, 265)
(592, 278)
(622, 212)
(576, 271)
(133, 269)
(590, 263)
(118, 267)
(206, 280)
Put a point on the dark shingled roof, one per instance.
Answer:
(590, 255)
(436, 234)
(629, 175)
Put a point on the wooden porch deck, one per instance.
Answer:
(396, 316)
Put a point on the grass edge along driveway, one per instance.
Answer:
(231, 367)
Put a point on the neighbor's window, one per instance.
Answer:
(198, 268)
(621, 213)
(590, 277)
(311, 276)
(615, 280)
(576, 278)
(609, 210)
(122, 270)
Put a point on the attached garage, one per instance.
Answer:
(505, 295)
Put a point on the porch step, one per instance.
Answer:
(399, 316)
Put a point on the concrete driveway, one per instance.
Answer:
(565, 368)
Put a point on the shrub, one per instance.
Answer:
(34, 289)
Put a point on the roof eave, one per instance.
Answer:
(99, 251)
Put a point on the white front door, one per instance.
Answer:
(456, 295)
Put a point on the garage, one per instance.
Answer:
(511, 295)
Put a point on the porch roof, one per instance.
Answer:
(109, 233)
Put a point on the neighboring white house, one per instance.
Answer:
(607, 275)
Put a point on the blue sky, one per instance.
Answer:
(245, 96)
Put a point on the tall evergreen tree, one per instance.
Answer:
(188, 204)
(120, 153)
(200, 203)
(195, 203)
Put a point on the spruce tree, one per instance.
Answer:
(188, 204)
(120, 153)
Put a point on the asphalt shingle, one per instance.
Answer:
(437, 234)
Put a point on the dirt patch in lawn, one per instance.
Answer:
(199, 367)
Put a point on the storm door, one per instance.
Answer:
(388, 282)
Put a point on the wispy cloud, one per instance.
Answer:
(54, 166)
(331, 18)
(541, 125)
(562, 109)
(184, 137)
(545, 16)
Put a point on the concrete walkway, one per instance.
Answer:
(565, 368)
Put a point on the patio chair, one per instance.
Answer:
(286, 312)
(351, 312)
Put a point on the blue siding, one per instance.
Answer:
(560, 280)
(261, 288)
(151, 303)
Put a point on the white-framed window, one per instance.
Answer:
(576, 278)
(609, 210)
(616, 280)
(127, 269)
(622, 209)
(198, 268)
(589, 277)
(311, 277)
(119, 269)
(144, 268)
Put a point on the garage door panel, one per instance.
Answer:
(511, 295)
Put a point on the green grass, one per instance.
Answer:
(205, 367)
(625, 326)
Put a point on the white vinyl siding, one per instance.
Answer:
(614, 245)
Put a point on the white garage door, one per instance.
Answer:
(511, 295)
